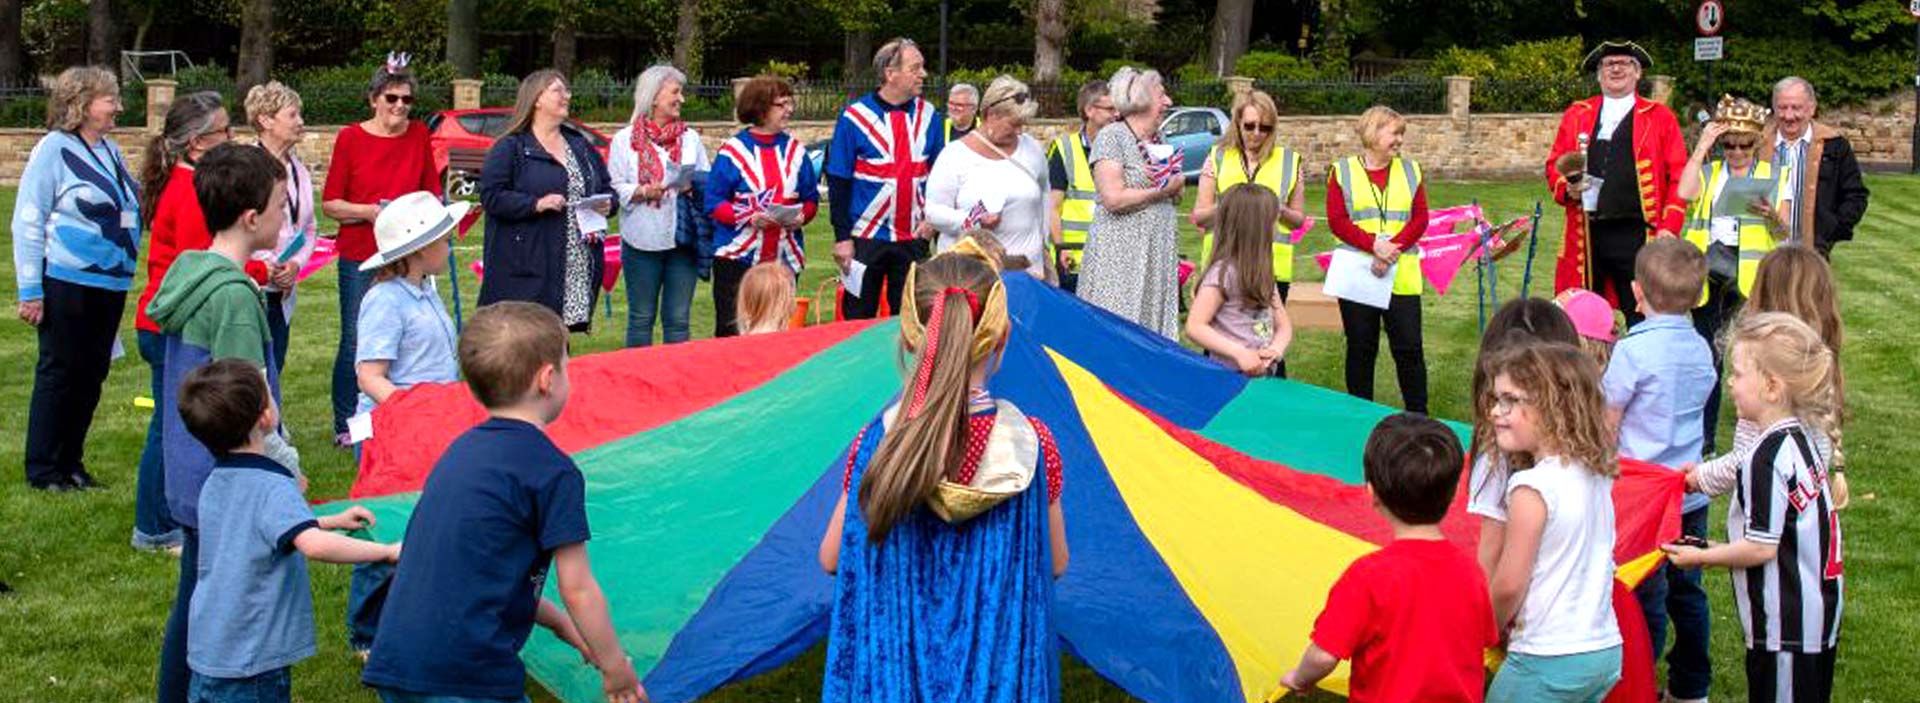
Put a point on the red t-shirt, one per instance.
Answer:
(1346, 231)
(1415, 619)
(178, 226)
(367, 169)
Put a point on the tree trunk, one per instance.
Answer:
(859, 58)
(1232, 22)
(1049, 40)
(566, 39)
(13, 67)
(146, 25)
(1330, 48)
(463, 37)
(103, 36)
(687, 40)
(255, 63)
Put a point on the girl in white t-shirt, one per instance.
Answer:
(1553, 586)
(1519, 321)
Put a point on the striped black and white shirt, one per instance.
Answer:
(1792, 603)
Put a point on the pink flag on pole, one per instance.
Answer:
(1442, 250)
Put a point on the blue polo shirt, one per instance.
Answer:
(1660, 376)
(497, 504)
(252, 611)
(407, 326)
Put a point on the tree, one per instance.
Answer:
(463, 37)
(1227, 40)
(255, 62)
(1049, 40)
(103, 36)
(687, 39)
(13, 67)
(566, 39)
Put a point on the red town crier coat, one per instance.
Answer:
(1659, 154)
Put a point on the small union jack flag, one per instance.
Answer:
(744, 208)
(976, 216)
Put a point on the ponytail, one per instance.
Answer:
(190, 116)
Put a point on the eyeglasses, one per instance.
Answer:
(396, 98)
(1742, 146)
(1504, 403)
(1016, 98)
(1256, 127)
(1619, 63)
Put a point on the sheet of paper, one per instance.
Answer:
(1590, 198)
(119, 350)
(682, 177)
(360, 428)
(590, 219)
(1738, 194)
(851, 280)
(1350, 277)
(788, 215)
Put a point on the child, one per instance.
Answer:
(1519, 321)
(405, 337)
(501, 505)
(1593, 319)
(915, 480)
(1414, 616)
(252, 614)
(1554, 583)
(207, 308)
(1237, 313)
(1657, 386)
(1783, 536)
(766, 299)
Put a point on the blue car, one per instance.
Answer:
(1193, 131)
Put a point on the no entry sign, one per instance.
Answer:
(1712, 16)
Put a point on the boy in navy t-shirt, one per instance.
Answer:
(501, 505)
(251, 616)
(1415, 616)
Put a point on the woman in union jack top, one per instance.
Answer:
(759, 176)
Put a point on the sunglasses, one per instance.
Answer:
(1016, 98)
(1739, 146)
(1256, 127)
(397, 99)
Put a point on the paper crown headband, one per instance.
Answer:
(1741, 116)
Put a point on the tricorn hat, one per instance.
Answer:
(1616, 48)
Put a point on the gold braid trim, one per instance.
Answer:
(987, 330)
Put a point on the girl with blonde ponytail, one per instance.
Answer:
(948, 544)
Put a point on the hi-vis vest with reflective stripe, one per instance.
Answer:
(1280, 173)
(1076, 211)
(1756, 239)
(1384, 219)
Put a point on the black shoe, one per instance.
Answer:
(4, 588)
(84, 481)
(61, 486)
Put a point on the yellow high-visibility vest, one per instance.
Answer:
(947, 128)
(1280, 173)
(1076, 210)
(1384, 219)
(1756, 239)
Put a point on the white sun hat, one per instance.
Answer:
(411, 222)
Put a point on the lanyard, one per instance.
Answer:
(294, 187)
(119, 175)
(1379, 198)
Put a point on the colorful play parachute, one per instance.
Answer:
(1207, 514)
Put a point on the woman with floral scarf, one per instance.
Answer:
(658, 166)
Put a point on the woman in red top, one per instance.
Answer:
(375, 161)
(194, 124)
(1389, 177)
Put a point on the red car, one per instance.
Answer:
(461, 139)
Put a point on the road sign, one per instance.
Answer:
(1913, 7)
(1712, 16)
(1709, 48)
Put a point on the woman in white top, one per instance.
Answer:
(995, 178)
(657, 164)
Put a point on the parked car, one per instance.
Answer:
(1193, 131)
(461, 139)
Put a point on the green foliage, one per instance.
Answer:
(1070, 78)
(1551, 59)
(1843, 77)
(1275, 66)
(790, 70)
(1863, 21)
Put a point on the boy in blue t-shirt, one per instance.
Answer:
(502, 504)
(251, 616)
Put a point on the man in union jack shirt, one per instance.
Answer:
(883, 145)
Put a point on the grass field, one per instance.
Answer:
(85, 619)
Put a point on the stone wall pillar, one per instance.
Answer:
(466, 93)
(1459, 96)
(159, 100)
(1661, 90)
(739, 84)
(1239, 86)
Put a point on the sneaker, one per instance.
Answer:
(53, 486)
(343, 441)
(169, 543)
(84, 481)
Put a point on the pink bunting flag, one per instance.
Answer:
(323, 254)
(1442, 250)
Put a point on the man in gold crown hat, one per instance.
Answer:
(1614, 166)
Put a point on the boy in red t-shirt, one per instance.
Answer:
(1413, 617)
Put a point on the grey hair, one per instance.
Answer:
(1797, 82)
(964, 89)
(648, 85)
(999, 99)
(889, 54)
(1131, 87)
(191, 116)
(1090, 93)
(386, 77)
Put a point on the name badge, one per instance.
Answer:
(129, 220)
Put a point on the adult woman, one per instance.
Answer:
(194, 124)
(655, 163)
(1130, 266)
(999, 172)
(274, 111)
(760, 167)
(1250, 153)
(76, 229)
(535, 181)
(374, 161)
(1377, 203)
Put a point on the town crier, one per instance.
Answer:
(1615, 166)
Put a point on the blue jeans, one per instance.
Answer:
(174, 676)
(659, 281)
(388, 695)
(366, 595)
(270, 687)
(346, 385)
(279, 326)
(1676, 593)
(153, 525)
(1569, 678)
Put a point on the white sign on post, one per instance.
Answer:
(1913, 7)
(1709, 48)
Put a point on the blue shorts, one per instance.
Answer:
(1568, 678)
(274, 686)
(388, 695)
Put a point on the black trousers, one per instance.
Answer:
(887, 264)
(76, 331)
(1723, 304)
(1790, 677)
(1402, 319)
(727, 274)
(1615, 244)
(1280, 368)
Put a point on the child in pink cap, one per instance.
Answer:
(1593, 319)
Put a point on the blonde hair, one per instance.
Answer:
(1671, 272)
(1785, 348)
(766, 299)
(1571, 411)
(530, 89)
(1599, 350)
(1236, 140)
(1132, 89)
(1796, 280)
(70, 93)
(1003, 98)
(1245, 219)
(503, 347)
(268, 99)
(1375, 118)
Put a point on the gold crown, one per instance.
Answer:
(1741, 115)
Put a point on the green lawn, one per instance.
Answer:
(85, 620)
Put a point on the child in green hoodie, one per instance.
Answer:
(208, 308)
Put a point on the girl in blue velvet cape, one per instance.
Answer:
(945, 560)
